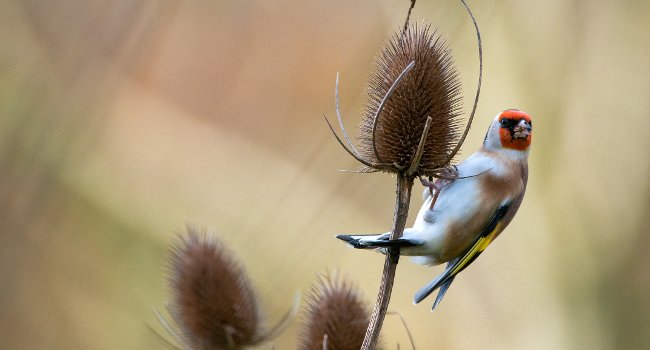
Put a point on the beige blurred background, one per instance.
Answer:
(121, 121)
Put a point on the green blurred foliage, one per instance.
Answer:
(120, 121)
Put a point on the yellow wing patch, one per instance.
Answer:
(479, 246)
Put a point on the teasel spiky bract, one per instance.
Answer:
(336, 317)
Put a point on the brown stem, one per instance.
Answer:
(403, 197)
(408, 16)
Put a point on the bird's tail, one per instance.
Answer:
(442, 291)
(377, 241)
(443, 281)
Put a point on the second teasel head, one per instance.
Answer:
(213, 302)
(401, 99)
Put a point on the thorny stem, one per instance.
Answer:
(403, 197)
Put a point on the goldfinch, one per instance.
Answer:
(460, 217)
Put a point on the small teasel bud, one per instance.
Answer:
(336, 317)
(213, 304)
(395, 133)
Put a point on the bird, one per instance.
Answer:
(462, 214)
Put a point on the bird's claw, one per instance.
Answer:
(436, 186)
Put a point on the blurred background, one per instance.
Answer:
(121, 121)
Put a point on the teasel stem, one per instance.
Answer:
(403, 198)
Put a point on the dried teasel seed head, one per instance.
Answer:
(213, 303)
(335, 312)
(430, 89)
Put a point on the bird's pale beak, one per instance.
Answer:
(522, 130)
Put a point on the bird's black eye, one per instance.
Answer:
(506, 123)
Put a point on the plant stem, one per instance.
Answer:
(403, 197)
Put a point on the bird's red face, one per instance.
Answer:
(515, 129)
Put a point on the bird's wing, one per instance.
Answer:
(457, 265)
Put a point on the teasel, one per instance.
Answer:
(411, 120)
(410, 127)
(213, 305)
(336, 317)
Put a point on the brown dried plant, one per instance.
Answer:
(414, 126)
(213, 301)
(410, 127)
(336, 317)
(411, 120)
(213, 305)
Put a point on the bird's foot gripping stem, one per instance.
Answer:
(436, 186)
